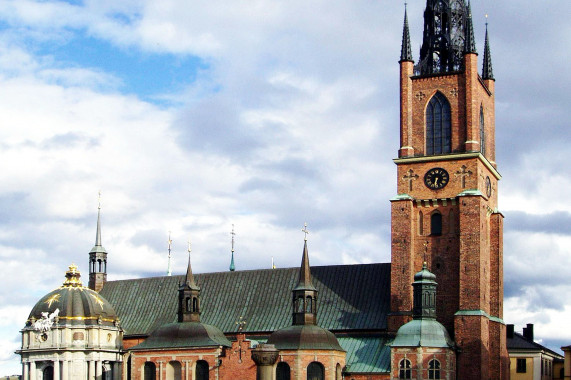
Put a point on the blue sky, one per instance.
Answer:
(192, 116)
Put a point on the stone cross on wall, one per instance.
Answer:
(463, 173)
(410, 176)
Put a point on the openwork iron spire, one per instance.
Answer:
(444, 37)
(406, 51)
(470, 42)
(487, 71)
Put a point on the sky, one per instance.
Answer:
(193, 116)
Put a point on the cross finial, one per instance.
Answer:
(189, 249)
(305, 231)
(169, 242)
(99, 200)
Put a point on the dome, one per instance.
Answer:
(422, 333)
(184, 334)
(304, 337)
(75, 304)
(424, 275)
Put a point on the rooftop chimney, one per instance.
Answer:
(510, 331)
(528, 332)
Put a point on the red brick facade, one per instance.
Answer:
(466, 255)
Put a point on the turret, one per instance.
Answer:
(97, 258)
(189, 296)
(304, 293)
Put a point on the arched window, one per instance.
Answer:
(201, 370)
(150, 371)
(48, 373)
(436, 224)
(300, 306)
(315, 371)
(338, 374)
(174, 371)
(283, 371)
(99, 262)
(482, 132)
(404, 369)
(188, 304)
(308, 304)
(195, 304)
(434, 369)
(420, 223)
(438, 125)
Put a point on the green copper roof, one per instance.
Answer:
(422, 333)
(304, 337)
(185, 334)
(367, 354)
(351, 297)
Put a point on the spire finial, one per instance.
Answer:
(406, 51)
(98, 232)
(232, 266)
(169, 269)
(189, 280)
(305, 231)
(487, 70)
(470, 42)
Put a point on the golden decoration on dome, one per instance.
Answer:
(72, 277)
(98, 300)
(52, 299)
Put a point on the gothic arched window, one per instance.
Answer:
(315, 371)
(201, 370)
(150, 371)
(436, 224)
(434, 369)
(283, 371)
(482, 132)
(438, 125)
(404, 369)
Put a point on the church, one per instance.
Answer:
(434, 312)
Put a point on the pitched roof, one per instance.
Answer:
(351, 297)
(519, 342)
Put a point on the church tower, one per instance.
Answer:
(97, 259)
(446, 212)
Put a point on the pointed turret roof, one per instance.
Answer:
(470, 41)
(304, 282)
(487, 71)
(406, 51)
(98, 247)
(189, 278)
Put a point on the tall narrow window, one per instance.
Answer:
(48, 373)
(438, 125)
(482, 132)
(201, 370)
(283, 371)
(315, 371)
(150, 371)
(308, 304)
(436, 224)
(404, 369)
(521, 365)
(434, 369)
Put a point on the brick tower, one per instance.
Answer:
(445, 212)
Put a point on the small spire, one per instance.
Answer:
(169, 269)
(470, 41)
(98, 247)
(406, 51)
(305, 270)
(189, 279)
(487, 71)
(232, 266)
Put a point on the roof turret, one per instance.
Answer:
(487, 71)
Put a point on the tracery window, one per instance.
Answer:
(315, 371)
(283, 371)
(438, 125)
(434, 369)
(404, 369)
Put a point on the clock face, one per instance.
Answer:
(488, 187)
(436, 178)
